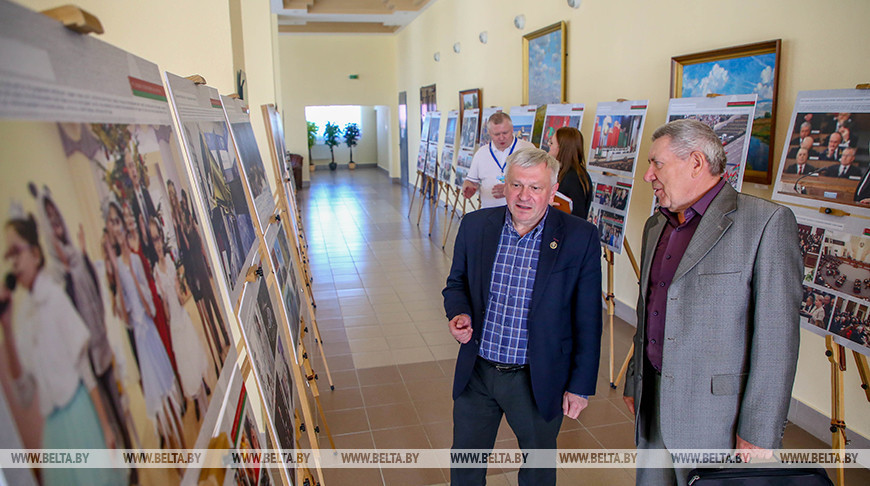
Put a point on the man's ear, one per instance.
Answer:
(699, 163)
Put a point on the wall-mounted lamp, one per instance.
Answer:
(520, 21)
(436, 56)
(457, 48)
(483, 37)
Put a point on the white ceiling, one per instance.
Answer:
(346, 16)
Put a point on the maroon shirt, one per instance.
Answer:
(669, 251)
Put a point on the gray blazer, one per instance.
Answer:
(732, 326)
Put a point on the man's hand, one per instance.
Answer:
(865, 201)
(750, 452)
(460, 328)
(498, 191)
(629, 402)
(573, 404)
(468, 189)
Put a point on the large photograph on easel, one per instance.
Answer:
(825, 160)
(239, 121)
(114, 332)
(215, 167)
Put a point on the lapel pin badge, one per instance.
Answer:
(553, 245)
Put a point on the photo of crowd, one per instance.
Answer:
(446, 167)
(827, 158)
(468, 135)
(614, 197)
(810, 244)
(108, 304)
(844, 264)
(216, 170)
(611, 227)
(816, 307)
(851, 321)
(463, 163)
(422, 153)
(731, 130)
(432, 160)
(255, 171)
(615, 141)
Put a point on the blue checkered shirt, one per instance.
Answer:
(505, 329)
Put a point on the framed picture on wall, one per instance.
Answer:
(544, 65)
(746, 69)
(469, 99)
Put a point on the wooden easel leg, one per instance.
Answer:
(836, 354)
(413, 194)
(449, 221)
(610, 310)
(628, 356)
(863, 372)
(433, 207)
(422, 199)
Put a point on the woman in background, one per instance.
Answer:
(185, 339)
(566, 146)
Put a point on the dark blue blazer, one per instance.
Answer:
(565, 315)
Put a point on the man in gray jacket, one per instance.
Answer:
(717, 336)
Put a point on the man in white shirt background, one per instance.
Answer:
(487, 167)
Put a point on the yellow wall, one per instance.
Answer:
(184, 38)
(315, 69)
(259, 27)
(623, 50)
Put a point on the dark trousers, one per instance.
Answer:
(655, 467)
(477, 413)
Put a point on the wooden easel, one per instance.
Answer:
(426, 192)
(291, 224)
(611, 308)
(414, 191)
(265, 270)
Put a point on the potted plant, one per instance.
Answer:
(312, 139)
(351, 135)
(330, 138)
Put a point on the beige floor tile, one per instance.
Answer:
(370, 344)
(362, 332)
(412, 355)
(409, 340)
(360, 321)
(390, 308)
(372, 359)
(398, 329)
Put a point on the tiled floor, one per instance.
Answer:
(377, 282)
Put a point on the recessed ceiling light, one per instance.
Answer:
(574, 3)
(457, 47)
(437, 56)
(483, 37)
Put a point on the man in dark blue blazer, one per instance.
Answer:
(524, 299)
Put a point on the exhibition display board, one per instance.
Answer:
(121, 319)
(485, 113)
(613, 151)
(523, 118)
(828, 135)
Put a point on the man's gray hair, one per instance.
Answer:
(689, 136)
(498, 118)
(533, 157)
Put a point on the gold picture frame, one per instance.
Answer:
(755, 65)
(541, 85)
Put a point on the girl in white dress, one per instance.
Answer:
(130, 284)
(185, 340)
